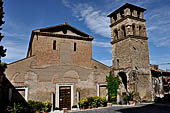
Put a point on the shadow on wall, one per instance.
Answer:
(8, 94)
(151, 108)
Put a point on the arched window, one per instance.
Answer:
(138, 13)
(115, 34)
(54, 45)
(115, 17)
(133, 29)
(123, 31)
(131, 10)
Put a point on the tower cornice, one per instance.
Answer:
(128, 16)
(130, 36)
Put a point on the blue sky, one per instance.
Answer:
(90, 16)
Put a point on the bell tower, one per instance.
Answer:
(130, 53)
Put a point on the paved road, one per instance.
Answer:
(149, 108)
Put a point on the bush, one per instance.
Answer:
(112, 87)
(37, 106)
(92, 101)
(15, 108)
(46, 106)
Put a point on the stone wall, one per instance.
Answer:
(42, 81)
(130, 52)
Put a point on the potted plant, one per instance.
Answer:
(130, 97)
(94, 104)
(46, 106)
(15, 108)
(90, 100)
(38, 106)
(83, 103)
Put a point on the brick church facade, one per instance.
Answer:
(59, 65)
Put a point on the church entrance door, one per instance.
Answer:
(65, 97)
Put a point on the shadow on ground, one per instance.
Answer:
(141, 108)
(151, 108)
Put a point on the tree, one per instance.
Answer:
(2, 50)
(2, 65)
(112, 86)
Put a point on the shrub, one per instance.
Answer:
(131, 96)
(37, 106)
(112, 86)
(83, 102)
(46, 106)
(15, 108)
(92, 101)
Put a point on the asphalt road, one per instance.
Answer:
(142, 108)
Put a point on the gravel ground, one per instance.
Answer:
(142, 108)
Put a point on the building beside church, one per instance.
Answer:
(59, 64)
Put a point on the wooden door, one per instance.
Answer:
(65, 97)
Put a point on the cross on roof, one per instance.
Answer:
(65, 20)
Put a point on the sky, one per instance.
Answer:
(89, 16)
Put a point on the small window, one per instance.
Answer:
(54, 45)
(117, 63)
(75, 46)
(133, 29)
(124, 31)
(115, 34)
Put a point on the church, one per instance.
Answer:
(59, 66)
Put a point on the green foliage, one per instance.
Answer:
(83, 102)
(92, 101)
(37, 106)
(15, 108)
(125, 99)
(2, 50)
(130, 96)
(112, 86)
(3, 66)
(46, 106)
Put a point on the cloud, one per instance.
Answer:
(101, 44)
(96, 20)
(164, 41)
(157, 26)
(15, 50)
(15, 35)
